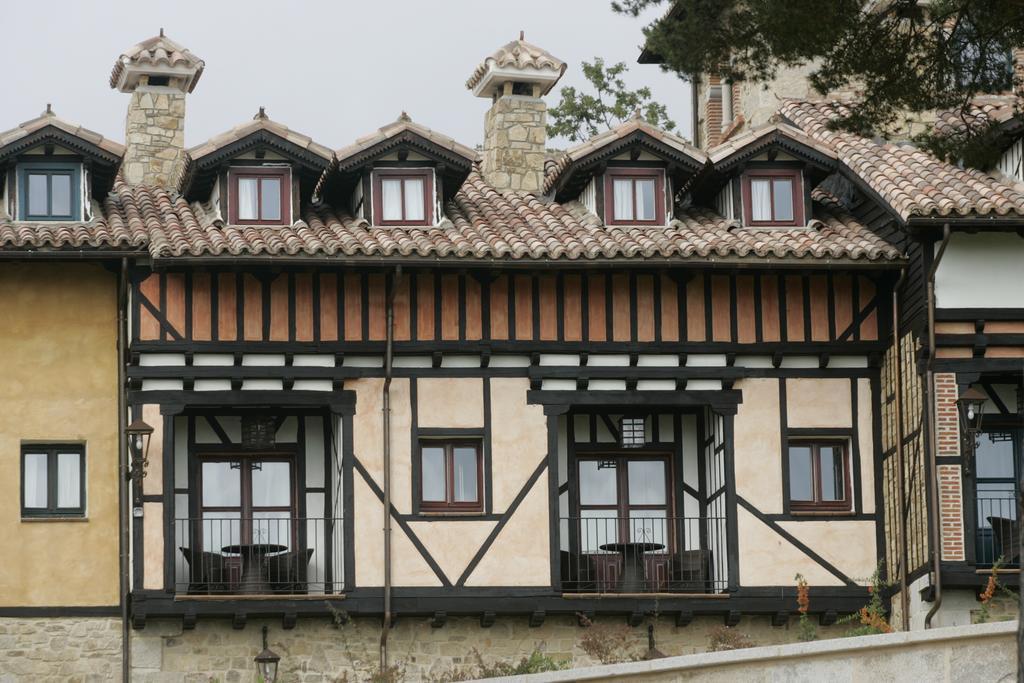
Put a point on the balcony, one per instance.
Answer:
(269, 554)
(997, 536)
(629, 555)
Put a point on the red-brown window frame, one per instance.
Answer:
(283, 173)
(773, 174)
(245, 492)
(622, 506)
(819, 505)
(634, 174)
(425, 174)
(449, 505)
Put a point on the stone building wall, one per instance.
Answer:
(318, 651)
(155, 136)
(60, 649)
(514, 140)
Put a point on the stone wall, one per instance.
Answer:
(155, 137)
(318, 651)
(60, 649)
(514, 139)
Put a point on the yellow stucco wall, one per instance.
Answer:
(58, 361)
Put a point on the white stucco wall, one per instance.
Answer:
(984, 270)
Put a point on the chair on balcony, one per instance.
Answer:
(207, 572)
(287, 572)
(1007, 533)
(689, 571)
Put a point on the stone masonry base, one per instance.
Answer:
(60, 649)
(316, 651)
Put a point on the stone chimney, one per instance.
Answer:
(158, 73)
(515, 78)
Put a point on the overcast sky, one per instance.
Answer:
(332, 70)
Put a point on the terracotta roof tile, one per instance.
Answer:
(157, 51)
(517, 54)
(983, 111)
(48, 118)
(721, 152)
(260, 122)
(400, 125)
(911, 181)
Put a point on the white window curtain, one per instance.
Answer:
(391, 199)
(69, 480)
(35, 480)
(414, 199)
(760, 200)
(622, 199)
(248, 204)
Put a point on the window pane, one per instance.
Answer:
(69, 480)
(646, 482)
(833, 474)
(414, 199)
(271, 197)
(35, 480)
(465, 475)
(221, 529)
(622, 200)
(783, 190)
(271, 484)
(645, 200)
(800, 484)
(272, 527)
(994, 455)
(434, 481)
(648, 526)
(248, 205)
(598, 527)
(60, 195)
(597, 484)
(391, 199)
(37, 195)
(760, 200)
(221, 484)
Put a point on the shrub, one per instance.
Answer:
(725, 638)
(610, 644)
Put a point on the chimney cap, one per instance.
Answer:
(517, 61)
(157, 56)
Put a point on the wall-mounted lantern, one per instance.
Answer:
(266, 662)
(971, 407)
(633, 432)
(139, 434)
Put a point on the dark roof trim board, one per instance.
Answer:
(198, 174)
(411, 139)
(53, 135)
(776, 139)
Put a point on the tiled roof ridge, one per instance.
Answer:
(155, 51)
(259, 122)
(50, 118)
(517, 53)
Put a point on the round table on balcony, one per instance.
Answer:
(253, 581)
(634, 571)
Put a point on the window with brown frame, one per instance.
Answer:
(260, 196)
(773, 196)
(402, 196)
(819, 476)
(635, 196)
(624, 498)
(246, 498)
(451, 476)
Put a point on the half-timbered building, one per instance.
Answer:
(418, 388)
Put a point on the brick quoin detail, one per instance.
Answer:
(947, 430)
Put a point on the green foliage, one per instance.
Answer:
(537, 662)
(870, 619)
(725, 638)
(579, 115)
(901, 56)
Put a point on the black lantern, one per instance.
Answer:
(258, 432)
(971, 406)
(266, 662)
(139, 434)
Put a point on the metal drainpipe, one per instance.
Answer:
(386, 410)
(122, 479)
(932, 447)
(900, 481)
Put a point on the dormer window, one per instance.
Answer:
(773, 197)
(260, 196)
(635, 196)
(403, 196)
(49, 191)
